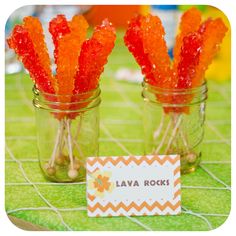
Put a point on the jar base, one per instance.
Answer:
(53, 180)
(188, 163)
(61, 174)
(189, 170)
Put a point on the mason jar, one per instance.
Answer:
(67, 133)
(173, 122)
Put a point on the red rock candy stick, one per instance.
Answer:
(89, 66)
(93, 57)
(35, 30)
(21, 42)
(190, 22)
(186, 71)
(189, 60)
(213, 32)
(58, 27)
(155, 46)
(68, 53)
(133, 40)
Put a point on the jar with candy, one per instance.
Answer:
(66, 103)
(175, 127)
(67, 132)
(175, 91)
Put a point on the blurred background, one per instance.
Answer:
(119, 16)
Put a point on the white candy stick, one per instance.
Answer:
(158, 130)
(69, 144)
(62, 141)
(53, 156)
(79, 127)
(184, 140)
(78, 148)
(182, 135)
(173, 134)
(74, 139)
(163, 138)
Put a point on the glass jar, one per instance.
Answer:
(67, 132)
(174, 122)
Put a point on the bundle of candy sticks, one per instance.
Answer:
(196, 45)
(79, 62)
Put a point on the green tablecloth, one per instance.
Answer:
(205, 193)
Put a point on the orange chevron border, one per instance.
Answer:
(177, 181)
(91, 172)
(143, 214)
(177, 193)
(127, 208)
(138, 161)
(91, 197)
(177, 170)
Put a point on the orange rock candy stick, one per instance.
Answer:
(190, 22)
(35, 30)
(68, 53)
(105, 34)
(213, 32)
(155, 46)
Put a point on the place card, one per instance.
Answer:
(133, 185)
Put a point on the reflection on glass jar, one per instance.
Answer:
(174, 122)
(67, 133)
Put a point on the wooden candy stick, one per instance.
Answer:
(165, 135)
(57, 144)
(174, 133)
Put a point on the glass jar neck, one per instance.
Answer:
(71, 103)
(174, 97)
